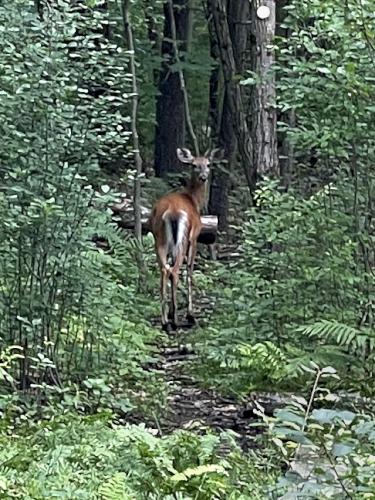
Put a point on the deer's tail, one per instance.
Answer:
(176, 228)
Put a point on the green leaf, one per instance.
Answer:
(324, 70)
(326, 416)
(198, 471)
(342, 449)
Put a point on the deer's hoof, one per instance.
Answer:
(166, 327)
(174, 325)
(191, 319)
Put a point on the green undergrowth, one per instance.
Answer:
(325, 441)
(76, 457)
(299, 292)
(74, 328)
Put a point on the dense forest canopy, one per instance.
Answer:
(271, 393)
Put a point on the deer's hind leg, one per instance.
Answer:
(164, 273)
(190, 268)
(175, 277)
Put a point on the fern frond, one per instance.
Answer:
(116, 488)
(198, 471)
(340, 334)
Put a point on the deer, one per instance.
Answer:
(175, 224)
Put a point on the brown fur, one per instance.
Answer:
(190, 201)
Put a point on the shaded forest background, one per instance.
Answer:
(290, 100)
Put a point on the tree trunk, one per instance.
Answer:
(134, 117)
(215, 84)
(177, 60)
(136, 148)
(238, 15)
(235, 105)
(220, 184)
(263, 101)
(286, 149)
(239, 28)
(153, 35)
(170, 112)
(222, 134)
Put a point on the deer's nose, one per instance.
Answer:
(203, 177)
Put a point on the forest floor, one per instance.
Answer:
(193, 407)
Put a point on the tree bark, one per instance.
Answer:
(286, 149)
(153, 35)
(177, 59)
(136, 148)
(170, 112)
(222, 134)
(221, 122)
(236, 109)
(239, 27)
(221, 177)
(263, 101)
(136, 151)
(214, 109)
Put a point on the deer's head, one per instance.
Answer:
(200, 164)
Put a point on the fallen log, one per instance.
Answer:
(124, 217)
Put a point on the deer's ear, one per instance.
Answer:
(214, 154)
(184, 155)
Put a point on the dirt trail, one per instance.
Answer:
(189, 406)
(193, 407)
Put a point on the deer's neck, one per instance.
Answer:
(197, 191)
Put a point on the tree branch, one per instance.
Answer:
(182, 79)
(136, 151)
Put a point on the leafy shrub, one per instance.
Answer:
(297, 266)
(328, 449)
(328, 49)
(86, 458)
(69, 312)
